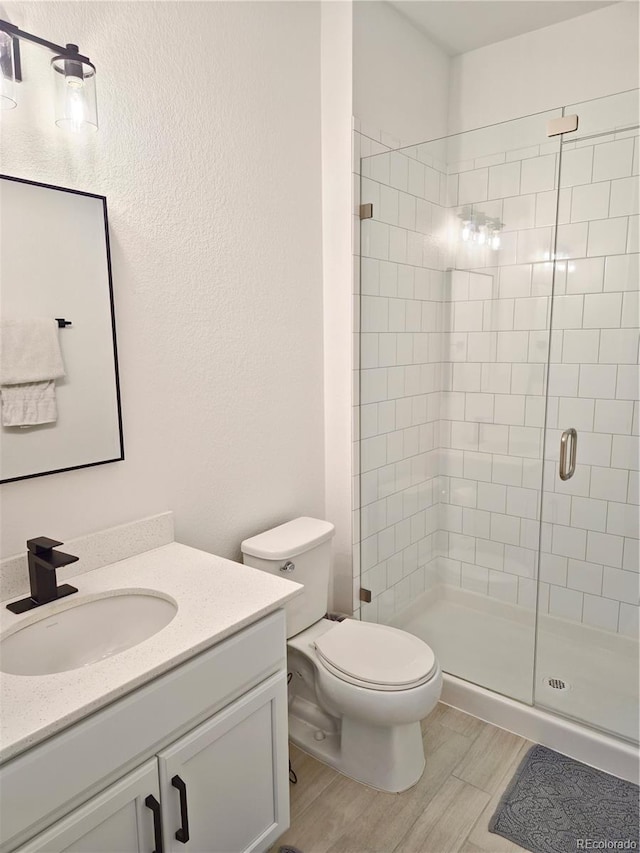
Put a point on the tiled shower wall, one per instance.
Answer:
(401, 287)
(467, 373)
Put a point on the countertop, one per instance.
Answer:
(215, 597)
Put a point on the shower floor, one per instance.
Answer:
(491, 643)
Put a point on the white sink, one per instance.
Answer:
(85, 631)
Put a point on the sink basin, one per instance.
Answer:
(84, 632)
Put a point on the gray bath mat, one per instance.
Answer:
(555, 804)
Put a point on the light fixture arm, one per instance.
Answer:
(17, 35)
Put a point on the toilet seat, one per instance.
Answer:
(374, 656)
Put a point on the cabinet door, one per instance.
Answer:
(115, 821)
(225, 785)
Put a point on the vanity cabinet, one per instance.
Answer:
(220, 784)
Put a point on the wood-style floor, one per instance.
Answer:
(469, 764)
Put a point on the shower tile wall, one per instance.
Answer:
(453, 380)
(401, 288)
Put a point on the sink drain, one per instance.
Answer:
(557, 683)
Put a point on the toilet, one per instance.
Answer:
(357, 690)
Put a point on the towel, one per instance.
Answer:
(30, 360)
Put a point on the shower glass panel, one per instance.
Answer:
(587, 638)
(456, 285)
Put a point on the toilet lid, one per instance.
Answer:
(376, 654)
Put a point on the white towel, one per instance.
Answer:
(30, 360)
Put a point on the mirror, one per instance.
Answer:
(56, 301)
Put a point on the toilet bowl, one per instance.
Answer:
(358, 690)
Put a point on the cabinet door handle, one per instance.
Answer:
(566, 474)
(182, 834)
(154, 805)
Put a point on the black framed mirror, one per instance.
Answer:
(59, 383)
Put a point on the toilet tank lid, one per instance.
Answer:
(288, 540)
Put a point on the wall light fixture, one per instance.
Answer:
(479, 228)
(74, 76)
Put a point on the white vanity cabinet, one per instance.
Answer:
(189, 780)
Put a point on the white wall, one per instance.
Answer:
(586, 57)
(400, 78)
(212, 172)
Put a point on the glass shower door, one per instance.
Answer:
(456, 285)
(587, 632)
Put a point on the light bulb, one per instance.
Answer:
(466, 231)
(495, 241)
(8, 99)
(482, 236)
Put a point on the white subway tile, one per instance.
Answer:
(631, 310)
(589, 514)
(523, 502)
(475, 578)
(621, 272)
(633, 234)
(493, 438)
(625, 451)
(567, 312)
(628, 623)
(490, 554)
(565, 603)
(467, 377)
(614, 416)
(476, 522)
(467, 316)
(595, 449)
(472, 186)
(496, 378)
(590, 201)
(539, 346)
(507, 470)
(553, 569)
(580, 346)
(597, 380)
(505, 528)
(607, 236)
(542, 280)
(513, 346)
(479, 408)
(609, 484)
(546, 205)
(531, 313)
(619, 346)
(586, 577)
(527, 379)
(498, 314)
(585, 275)
(538, 174)
(519, 561)
(600, 612)
(628, 382)
(576, 166)
(504, 180)
(569, 542)
(556, 509)
(464, 436)
(631, 555)
(613, 160)
(621, 585)
(625, 197)
(525, 441)
(509, 409)
(571, 240)
(503, 586)
(602, 310)
(515, 281)
(520, 212)
(534, 245)
(398, 171)
(491, 497)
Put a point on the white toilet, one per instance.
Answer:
(358, 690)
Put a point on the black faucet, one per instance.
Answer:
(43, 562)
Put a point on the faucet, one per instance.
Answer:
(43, 562)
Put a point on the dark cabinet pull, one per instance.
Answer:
(154, 805)
(183, 833)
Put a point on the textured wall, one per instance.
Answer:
(209, 155)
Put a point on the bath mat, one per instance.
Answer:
(289, 850)
(555, 804)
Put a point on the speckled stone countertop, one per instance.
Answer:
(215, 597)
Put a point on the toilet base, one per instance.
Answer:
(388, 758)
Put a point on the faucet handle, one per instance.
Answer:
(42, 544)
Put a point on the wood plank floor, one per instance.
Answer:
(469, 764)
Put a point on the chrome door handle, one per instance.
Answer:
(566, 474)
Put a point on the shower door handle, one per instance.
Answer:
(568, 434)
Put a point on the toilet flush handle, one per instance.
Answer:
(288, 566)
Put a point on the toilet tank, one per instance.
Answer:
(305, 543)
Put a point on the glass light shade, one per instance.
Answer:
(75, 94)
(8, 86)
